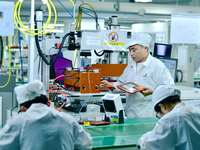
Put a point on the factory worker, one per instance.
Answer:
(144, 70)
(179, 127)
(40, 127)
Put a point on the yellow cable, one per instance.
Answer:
(88, 5)
(27, 29)
(79, 17)
(75, 58)
(17, 18)
(33, 29)
(72, 2)
(46, 24)
(9, 65)
(78, 20)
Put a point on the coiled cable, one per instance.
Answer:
(31, 32)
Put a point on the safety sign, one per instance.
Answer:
(115, 40)
(113, 37)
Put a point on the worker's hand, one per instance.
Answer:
(106, 83)
(147, 91)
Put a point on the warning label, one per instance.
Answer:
(115, 40)
(114, 44)
(113, 37)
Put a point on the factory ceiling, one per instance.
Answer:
(128, 11)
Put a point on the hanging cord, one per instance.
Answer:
(52, 89)
(79, 17)
(9, 65)
(75, 59)
(20, 51)
(17, 19)
(73, 8)
(40, 51)
(97, 53)
(1, 48)
(39, 67)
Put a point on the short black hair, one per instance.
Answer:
(40, 99)
(168, 100)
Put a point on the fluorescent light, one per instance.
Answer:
(143, 1)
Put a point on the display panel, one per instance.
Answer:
(109, 105)
(171, 64)
(162, 50)
(130, 87)
(59, 66)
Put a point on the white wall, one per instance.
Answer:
(152, 29)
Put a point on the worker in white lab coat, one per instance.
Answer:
(144, 70)
(40, 127)
(179, 126)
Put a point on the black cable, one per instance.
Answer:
(40, 51)
(39, 65)
(98, 53)
(1, 44)
(73, 85)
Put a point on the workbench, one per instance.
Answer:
(120, 136)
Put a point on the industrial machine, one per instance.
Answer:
(87, 81)
(113, 108)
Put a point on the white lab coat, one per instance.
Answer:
(43, 128)
(152, 73)
(177, 130)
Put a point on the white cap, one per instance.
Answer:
(29, 91)
(163, 92)
(140, 38)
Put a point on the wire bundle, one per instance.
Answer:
(1, 50)
(79, 17)
(52, 89)
(73, 9)
(9, 65)
(17, 19)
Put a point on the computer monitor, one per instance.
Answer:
(59, 66)
(171, 64)
(162, 50)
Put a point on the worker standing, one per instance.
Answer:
(40, 127)
(179, 126)
(144, 70)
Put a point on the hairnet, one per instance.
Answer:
(29, 91)
(140, 38)
(163, 92)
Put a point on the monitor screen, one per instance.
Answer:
(162, 50)
(59, 66)
(171, 64)
(109, 105)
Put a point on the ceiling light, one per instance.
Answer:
(143, 1)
